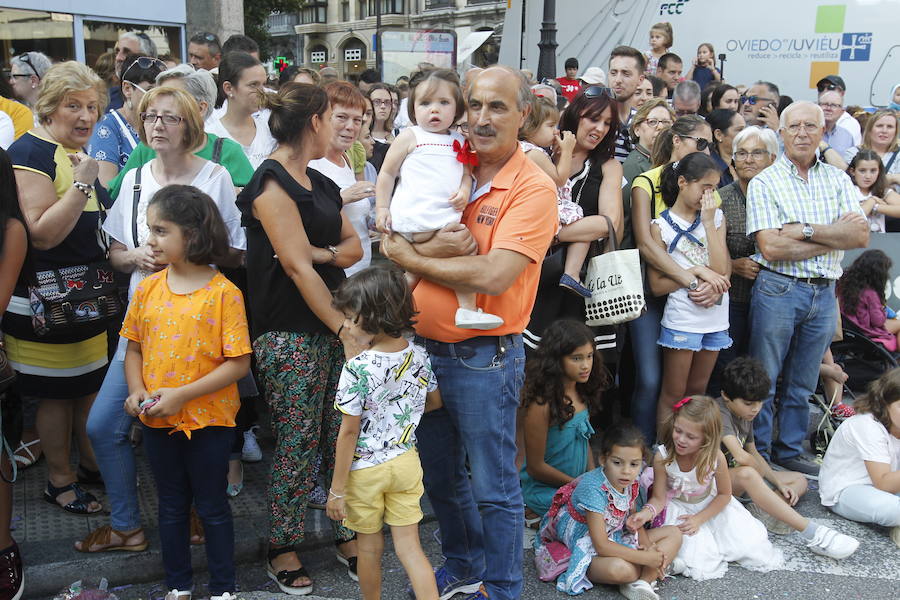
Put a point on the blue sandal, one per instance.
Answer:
(78, 506)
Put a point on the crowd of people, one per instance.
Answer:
(397, 272)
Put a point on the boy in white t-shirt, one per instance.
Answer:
(382, 394)
(745, 385)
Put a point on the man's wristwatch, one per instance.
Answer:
(694, 285)
(807, 232)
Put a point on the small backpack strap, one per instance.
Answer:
(135, 199)
(217, 150)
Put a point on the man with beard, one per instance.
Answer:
(626, 72)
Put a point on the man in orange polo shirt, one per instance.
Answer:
(512, 217)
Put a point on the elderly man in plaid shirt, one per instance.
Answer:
(804, 214)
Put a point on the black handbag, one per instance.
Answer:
(68, 297)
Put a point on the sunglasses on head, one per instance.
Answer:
(595, 91)
(830, 87)
(26, 58)
(146, 62)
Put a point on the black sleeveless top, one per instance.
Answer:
(275, 302)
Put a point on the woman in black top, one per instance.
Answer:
(298, 244)
(594, 184)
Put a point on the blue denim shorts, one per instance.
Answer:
(684, 340)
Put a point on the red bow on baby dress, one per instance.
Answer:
(465, 154)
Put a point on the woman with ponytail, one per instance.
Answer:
(860, 477)
(688, 134)
(692, 232)
(298, 244)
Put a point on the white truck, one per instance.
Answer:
(792, 43)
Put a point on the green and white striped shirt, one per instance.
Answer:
(779, 195)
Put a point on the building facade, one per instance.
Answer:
(342, 33)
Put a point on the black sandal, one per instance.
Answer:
(88, 476)
(78, 506)
(284, 578)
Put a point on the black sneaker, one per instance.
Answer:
(12, 577)
(802, 463)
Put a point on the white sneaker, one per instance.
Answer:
(829, 542)
(225, 596)
(251, 452)
(178, 595)
(772, 524)
(677, 566)
(895, 535)
(476, 319)
(638, 590)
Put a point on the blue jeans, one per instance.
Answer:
(186, 471)
(792, 324)
(739, 330)
(108, 427)
(644, 333)
(481, 517)
(868, 504)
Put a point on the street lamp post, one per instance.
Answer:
(547, 57)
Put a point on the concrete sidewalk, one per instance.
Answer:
(46, 533)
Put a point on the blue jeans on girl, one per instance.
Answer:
(186, 471)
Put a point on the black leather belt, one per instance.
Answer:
(809, 280)
(466, 348)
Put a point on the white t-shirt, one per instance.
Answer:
(212, 179)
(387, 390)
(876, 221)
(860, 438)
(263, 143)
(846, 121)
(7, 130)
(357, 212)
(682, 313)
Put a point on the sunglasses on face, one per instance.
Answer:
(751, 100)
(702, 143)
(595, 91)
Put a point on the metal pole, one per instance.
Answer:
(522, 37)
(547, 58)
(378, 59)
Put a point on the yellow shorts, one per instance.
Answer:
(386, 493)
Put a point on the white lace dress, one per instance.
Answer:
(733, 535)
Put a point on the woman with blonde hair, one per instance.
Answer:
(62, 202)
(882, 135)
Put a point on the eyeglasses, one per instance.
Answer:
(382, 102)
(683, 112)
(829, 105)
(145, 62)
(658, 122)
(595, 91)
(742, 155)
(463, 128)
(152, 118)
(26, 58)
(702, 143)
(751, 100)
(796, 128)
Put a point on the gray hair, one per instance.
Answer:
(820, 115)
(523, 94)
(763, 134)
(39, 66)
(198, 83)
(148, 46)
(687, 91)
(773, 89)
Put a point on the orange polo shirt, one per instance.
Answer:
(518, 213)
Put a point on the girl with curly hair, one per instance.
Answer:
(860, 292)
(564, 379)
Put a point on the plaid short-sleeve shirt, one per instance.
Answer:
(779, 195)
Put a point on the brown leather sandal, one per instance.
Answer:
(102, 536)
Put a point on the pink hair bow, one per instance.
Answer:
(678, 405)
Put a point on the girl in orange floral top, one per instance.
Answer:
(188, 346)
